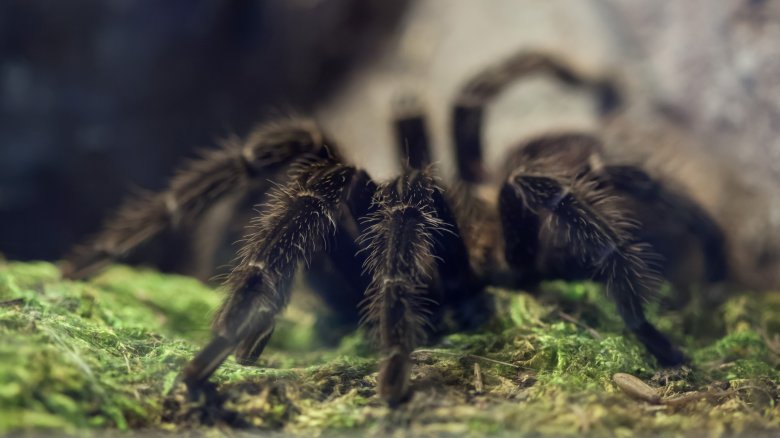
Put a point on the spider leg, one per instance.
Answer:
(456, 276)
(414, 147)
(566, 155)
(197, 186)
(403, 239)
(521, 226)
(461, 289)
(337, 275)
(669, 216)
(636, 183)
(411, 133)
(476, 94)
(593, 225)
(293, 227)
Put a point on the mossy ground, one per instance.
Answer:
(77, 357)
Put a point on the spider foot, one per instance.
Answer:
(394, 379)
(658, 345)
(675, 378)
(197, 405)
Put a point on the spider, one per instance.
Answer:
(411, 253)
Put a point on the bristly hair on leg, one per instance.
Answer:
(632, 181)
(294, 225)
(195, 187)
(295, 222)
(400, 238)
(593, 225)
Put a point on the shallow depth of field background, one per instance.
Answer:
(99, 98)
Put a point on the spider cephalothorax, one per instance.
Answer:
(409, 250)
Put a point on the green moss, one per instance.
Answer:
(75, 356)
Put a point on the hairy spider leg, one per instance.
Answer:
(478, 92)
(198, 185)
(593, 225)
(576, 155)
(293, 227)
(337, 274)
(411, 133)
(407, 239)
(565, 155)
(697, 222)
(521, 227)
(460, 288)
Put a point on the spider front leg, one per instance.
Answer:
(337, 274)
(406, 240)
(456, 278)
(294, 226)
(592, 224)
(197, 186)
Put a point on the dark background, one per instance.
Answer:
(101, 96)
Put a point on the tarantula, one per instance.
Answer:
(408, 251)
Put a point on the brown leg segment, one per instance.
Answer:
(594, 226)
(197, 186)
(291, 229)
(478, 92)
